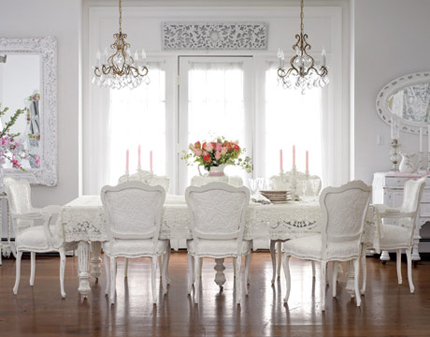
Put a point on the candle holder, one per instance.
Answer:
(394, 155)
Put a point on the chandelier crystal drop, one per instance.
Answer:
(303, 73)
(121, 69)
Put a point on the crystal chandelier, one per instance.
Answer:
(120, 70)
(302, 73)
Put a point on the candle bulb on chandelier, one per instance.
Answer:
(294, 156)
(138, 158)
(323, 58)
(281, 161)
(307, 161)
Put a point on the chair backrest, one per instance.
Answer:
(18, 195)
(147, 177)
(217, 210)
(412, 193)
(343, 212)
(133, 210)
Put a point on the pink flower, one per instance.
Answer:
(208, 147)
(224, 150)
(218, 146)
(207, 158)
(198, 152)
(37, 160)
(217, 155)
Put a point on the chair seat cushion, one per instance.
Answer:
(130, 248)
(218, 248)
(309, 248)
(32, 238)
(394, 237)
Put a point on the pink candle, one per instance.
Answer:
(150, 160)
(126, 161)
(307, 161)
(281, 160)
(294, 155)
(138, 157)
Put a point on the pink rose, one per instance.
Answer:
(198, 152)
(217, 155)
(207, 158)
(209, 147)
(218, 146)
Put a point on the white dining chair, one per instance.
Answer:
(343, 212)
(304, 186)
(133, 218)
(217, 223)
(400, 236)
(36, 229)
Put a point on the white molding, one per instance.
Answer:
(46, 47)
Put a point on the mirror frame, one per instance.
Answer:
(46, 47)
(382, 101)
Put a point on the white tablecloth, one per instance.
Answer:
(83, 220)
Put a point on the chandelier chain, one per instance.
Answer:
(302, 25)
(120, 16)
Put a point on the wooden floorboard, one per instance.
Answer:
(388, 309)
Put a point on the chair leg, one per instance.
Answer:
(286, 266)
(399, 265)
(191, 272)
(18, 272)
(163, 272)
(200, 267)
(323, 283)
(313, 269)
(62, 270)
(126, 268)
(167, 257)
(234, 268)
(238, 292)
(247, 265)
(106, 261)
(273, 258)
(196, 279)
(33, 267)
(278, 258)
(356, 281)
(409, 259)
(334, 278)
(154, 279)
(112, 279)
(364, 268)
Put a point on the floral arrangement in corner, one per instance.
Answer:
(11, 149)
(216, 153)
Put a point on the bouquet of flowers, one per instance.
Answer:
(216, 153)
(11, 149)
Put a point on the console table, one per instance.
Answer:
(387, 189)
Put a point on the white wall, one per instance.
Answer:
(62, 19)
(391, 39)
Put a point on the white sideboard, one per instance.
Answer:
(387, 189)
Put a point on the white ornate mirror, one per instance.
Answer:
(28, 78)
(406, 98)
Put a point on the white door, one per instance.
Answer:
(214, 100)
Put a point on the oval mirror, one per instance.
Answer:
(407, 98)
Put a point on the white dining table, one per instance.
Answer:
(83, 221)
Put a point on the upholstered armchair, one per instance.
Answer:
(36, 229)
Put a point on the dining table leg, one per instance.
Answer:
(83, 265)
(273, 258)
(219, 276)
(96, 249)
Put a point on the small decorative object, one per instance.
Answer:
(409, 163)
(120, 69)
(303, 73)
(214, 156)
(277, 197)
(11, 150)
(394, 155)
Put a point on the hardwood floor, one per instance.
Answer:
(388, 309)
